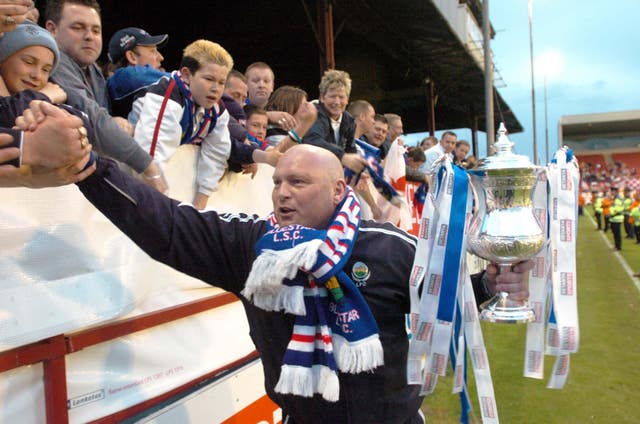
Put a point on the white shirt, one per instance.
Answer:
(432, 153)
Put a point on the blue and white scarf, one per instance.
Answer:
(209, 119)
(372, 155)
(299, 270)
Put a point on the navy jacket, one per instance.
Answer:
(321, 134)
(219, 250)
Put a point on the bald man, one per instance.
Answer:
(309, 189)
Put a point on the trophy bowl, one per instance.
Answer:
(504, 228)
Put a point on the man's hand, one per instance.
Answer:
(153, 177)
(200, 201)
(513, 280)
(354, 162)
(57, 140)
(45, 177)
(250, 168)
(13, 12)
(7, 153)
(282, 119)
(124, 125)
(306, 116)
(55, 93)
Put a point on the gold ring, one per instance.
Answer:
(84, 141)
(8, 20)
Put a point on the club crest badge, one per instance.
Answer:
(360, 273)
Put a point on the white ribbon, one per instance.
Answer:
(430, 337)
(553, 283)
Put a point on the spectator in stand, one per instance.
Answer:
(137, 63)
(56, 143)
(363, 114)
(469, 162)
(396, 129)
(27, 56)
(257, 122)
(334, 128)
(378, 133)
(236, 89)
(286, 99)
(428, 142)
(461, 151)
(415, 157)
(77, 28)
(186, 109)
(260, 84)
(444, 147)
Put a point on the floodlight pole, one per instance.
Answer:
(488, 76)
(533, 91)
(546, 118)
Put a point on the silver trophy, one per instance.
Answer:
(504, 228)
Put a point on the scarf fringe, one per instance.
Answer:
(363, 355)
(303, 381)
(328, 384)
(289, 299)
(271, 267)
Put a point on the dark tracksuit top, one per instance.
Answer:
(219, 250)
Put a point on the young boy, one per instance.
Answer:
(256, 125)
(185, 108)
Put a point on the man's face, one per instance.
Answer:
(367, 120)
(207, 84)
(146, 55)
(236, 89)
(257, 125)
(259, 86)
(378, 133)
(79, 33)
(304, 193)
(27, 69)
(461, 151)
(448, 142)
(335, 101)
(395, 129)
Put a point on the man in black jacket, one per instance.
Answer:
(220, 249)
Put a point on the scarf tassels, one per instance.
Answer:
(299, 271)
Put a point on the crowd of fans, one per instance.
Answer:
(613, 193)
(139, 113)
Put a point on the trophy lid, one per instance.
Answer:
(504, 158)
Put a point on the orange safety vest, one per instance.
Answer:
(606, 206)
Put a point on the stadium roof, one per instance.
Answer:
(390, 49)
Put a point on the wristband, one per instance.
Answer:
(93, 157)
(153, 177)
(294, 136)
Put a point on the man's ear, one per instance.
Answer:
(185, 73)
(340, 188)
(131, 57)
(50, 26)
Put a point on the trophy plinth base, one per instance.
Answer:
(504, 310)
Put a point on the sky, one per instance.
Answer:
(592, 52)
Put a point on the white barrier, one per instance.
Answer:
(64, 267)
